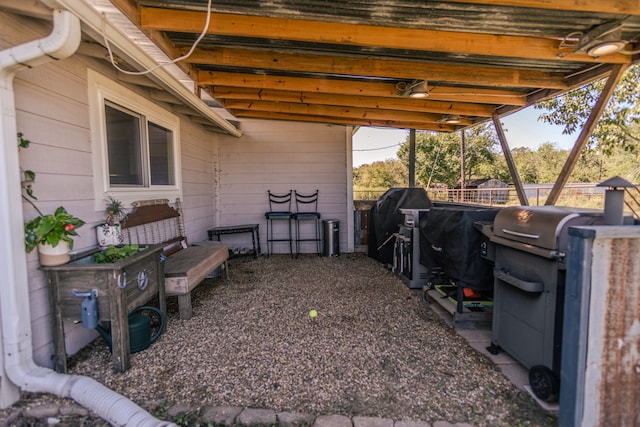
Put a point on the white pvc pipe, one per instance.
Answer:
(15, 315)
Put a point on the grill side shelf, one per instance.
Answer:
(532, 287)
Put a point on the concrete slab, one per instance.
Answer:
(476, 335)
(550, 407)
(517, 374)
(500, 358)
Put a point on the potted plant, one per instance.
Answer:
(110, 233)
(52, 234)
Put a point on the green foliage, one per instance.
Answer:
(481, 145)
(613, 150)
(28, 175)
(618, 125)
(544, 165)
(115, 211)
(112, 253)
(22, 142)
(381, 174)
(438, 156)
(188, 419)
(51, 229)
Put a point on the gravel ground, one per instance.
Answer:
(375, 350)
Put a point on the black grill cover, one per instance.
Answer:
(449, 240)
(385, 218)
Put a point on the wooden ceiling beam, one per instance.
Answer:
(306, 84)
(348, 66)
(574, 81)
(312, 31)
(397, 103)
(337, 111)
(627, 7)
(268, 115)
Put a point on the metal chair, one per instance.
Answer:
(279, 210)
(307, 210)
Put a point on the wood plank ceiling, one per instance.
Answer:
(354, 63)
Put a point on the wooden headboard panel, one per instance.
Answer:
(155, 221)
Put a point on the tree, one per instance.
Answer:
(382, 174)
(618, 125)
(438, 155)
(437, 158)
(481, 149)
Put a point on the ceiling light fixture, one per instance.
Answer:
(451, 119)
(414, 89)
(606, 48)
(605, 39)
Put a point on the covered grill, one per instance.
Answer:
(529, 278)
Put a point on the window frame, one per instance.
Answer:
(103, 91)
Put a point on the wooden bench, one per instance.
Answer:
(185, 267)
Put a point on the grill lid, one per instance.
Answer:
(542, 226)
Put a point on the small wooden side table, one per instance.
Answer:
(254, 229)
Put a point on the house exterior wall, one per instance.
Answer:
(53, 113)
(224, 179)
(282, 156)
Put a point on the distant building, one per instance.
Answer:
(484, 191)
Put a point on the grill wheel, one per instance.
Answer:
(544, 383)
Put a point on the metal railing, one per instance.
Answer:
(584, 195)
(578, 195)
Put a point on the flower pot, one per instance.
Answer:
(54, 255)
(109, 235)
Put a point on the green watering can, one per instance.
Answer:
(140, 337)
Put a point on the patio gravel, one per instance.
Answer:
(374, 351)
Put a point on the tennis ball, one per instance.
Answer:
(313, 314)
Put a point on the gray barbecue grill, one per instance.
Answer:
(529, 277)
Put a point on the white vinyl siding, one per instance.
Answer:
(221, 179)
(125, 169)
(282, 156)
(199, 167)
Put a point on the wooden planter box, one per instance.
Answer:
(120, 288)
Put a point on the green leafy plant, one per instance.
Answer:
(28, 175)
(116, 212)
(51, 229)
(112, 253)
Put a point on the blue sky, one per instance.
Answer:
(522, 130)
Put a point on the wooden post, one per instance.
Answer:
(522, 197)
(120, 350)
(412, 158)
(587, 130)
(57, 326)
(463, 165)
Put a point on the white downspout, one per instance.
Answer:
(15, 316)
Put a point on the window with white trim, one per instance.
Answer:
(139, 151)
(135, 144)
